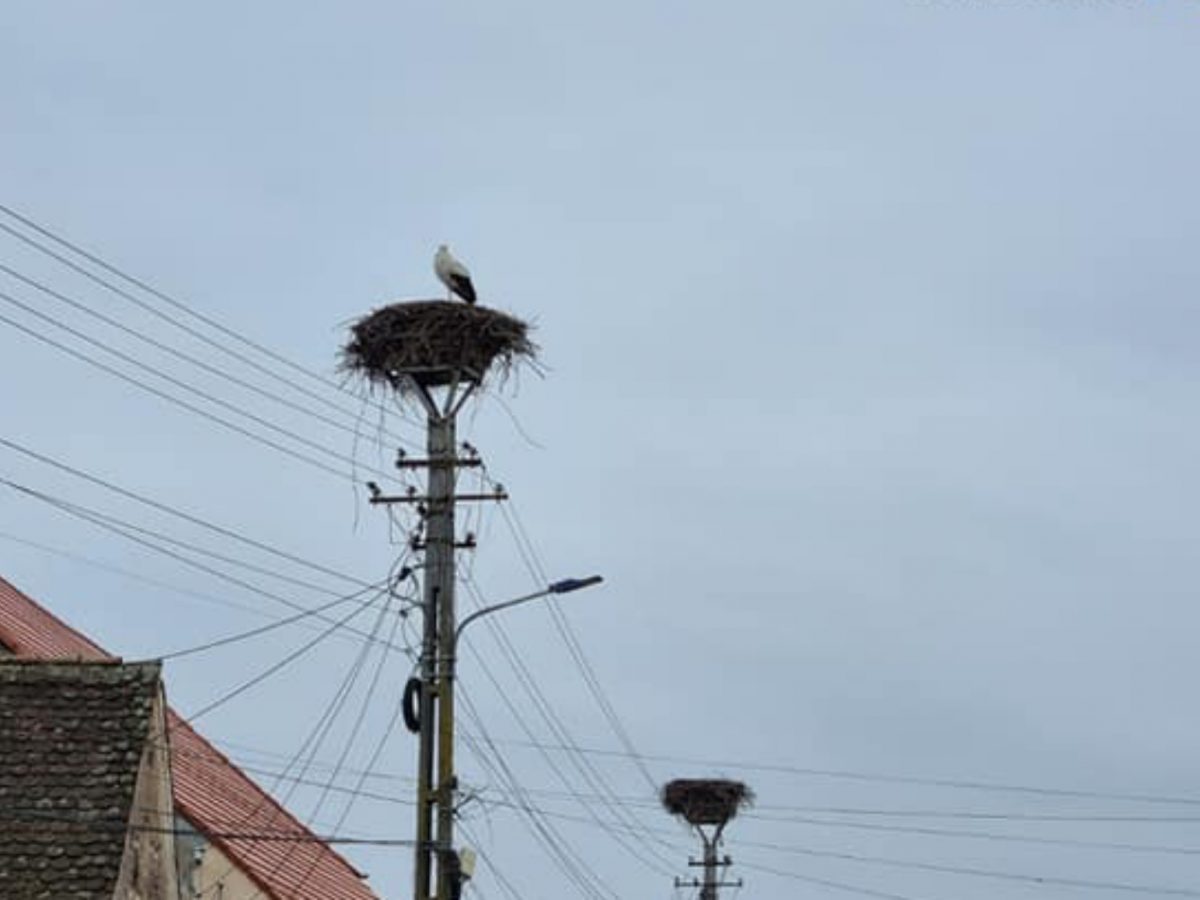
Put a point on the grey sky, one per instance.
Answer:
(872, 335)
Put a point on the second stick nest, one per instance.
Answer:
(705, 801)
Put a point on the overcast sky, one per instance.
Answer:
(871, 332)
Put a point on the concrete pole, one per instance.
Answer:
(709, 890)
(440, 561)
(438, 611)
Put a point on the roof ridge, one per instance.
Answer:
(73, 632)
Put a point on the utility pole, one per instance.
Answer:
(439, 353)
(439, 607)
(709, 890)
(440, 576)
(712, 864)
(436, 781)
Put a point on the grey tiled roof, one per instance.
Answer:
(71, 740)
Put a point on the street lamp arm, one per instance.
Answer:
(565, 586)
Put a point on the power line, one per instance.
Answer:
(349, 743)
(174, 351)
(108, 524)
(988, 873)
(359, 790)
(568, 861)
(563, 625)
(210, 554)
(507, 803)
(177, 513)
(280, 665)
(548, 715)
(240, 636)
(259, 836)
(960, 784)
(968, 814)
(116, 373)
(180, 305)
(590, 774)
(178, 383)
(313, 740)
(992, 836)
(1085, 818)
(133, 576)
(501, 879)
(829, 883)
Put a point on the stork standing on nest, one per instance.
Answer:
(453, 274)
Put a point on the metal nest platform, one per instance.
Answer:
(705, 801)
(431, 343)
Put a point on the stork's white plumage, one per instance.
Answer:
(453, 274)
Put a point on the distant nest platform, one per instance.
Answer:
(435, 342)
(704, 801)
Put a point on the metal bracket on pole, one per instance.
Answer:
(697, 883)
(462, 462)
(383, 500)
(467, 543)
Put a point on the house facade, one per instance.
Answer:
(85, 782)
(220, 812)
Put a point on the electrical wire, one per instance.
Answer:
(177, 513)
(501, 879)
(25, 818)
(359, 790)
(180, 305)
(217, 371)
(310, 746)
(84, 514)
(280, 665)
(980, 816)
(131, 575)
(563, 625)
(508, 803)
(829, 883)
(590, 774)
(873, 777)
(1085, 818)
(1157, 890)
(100, 517)
(180, 384)
(994, 836)
(116, 373)
(333, 713)
(240, 636)
(349, 743)
(615, 835)
(560, 852)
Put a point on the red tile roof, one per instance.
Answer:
(210, 791)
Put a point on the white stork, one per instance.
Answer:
(453, 274)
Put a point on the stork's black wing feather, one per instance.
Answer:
(462, 286)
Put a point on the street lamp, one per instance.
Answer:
(566, 586)
(451, 870)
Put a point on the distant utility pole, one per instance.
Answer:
(707, 803)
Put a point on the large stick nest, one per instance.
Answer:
(705, 801)
(435, 342)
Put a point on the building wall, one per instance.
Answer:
(214, 877)
(148, 868)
